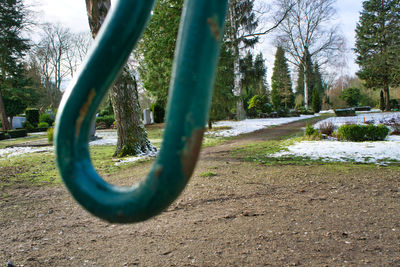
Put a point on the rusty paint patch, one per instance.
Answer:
(191, 152)
(214, 27)
(83, 111)
(158, 171)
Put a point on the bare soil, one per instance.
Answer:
(246, 214)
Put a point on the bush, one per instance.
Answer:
(46, 117)
(394, 104)
(310, 130)
(3, 135)
(17, 133)
(364, 108)
(359, 133)
(351, 96)
(28, 126)
(303, 111)
(50, 134)
(327, 128)
(43, 125)
(345, 112)
(106, 120)
(32, 116)
(158, 112)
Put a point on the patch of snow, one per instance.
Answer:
(377, 118)
(106, 138)
(18, 151)
(329, 111)
(144, 156)
(251, 125)
(365, 152)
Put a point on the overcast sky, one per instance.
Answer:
(72, 13)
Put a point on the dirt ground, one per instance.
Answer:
(245, 215)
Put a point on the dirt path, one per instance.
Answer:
(245, 215)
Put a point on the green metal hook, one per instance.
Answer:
(196, 57)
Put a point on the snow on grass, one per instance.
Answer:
(18, 151)
(366, 152)
(250, 125)
(140, 157)
(376, 118)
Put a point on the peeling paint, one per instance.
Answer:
(191, 152)
(214, 27)
(158, 171)
(83, 112)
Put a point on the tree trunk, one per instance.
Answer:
(4, 119)
(132, 137)
(305, 88)
(387, 98)
(237, 89)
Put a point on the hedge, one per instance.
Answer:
(17, 133)
(364, 108)
(107, 120)
(32, 116)
(345, 112)
(3, 135)
(359, 133)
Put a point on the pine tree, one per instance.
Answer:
(12, 46)
(316, 101)
(281, 93)
(241, 21)
(377, 42)
(157, 48)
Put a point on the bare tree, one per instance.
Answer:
(308, 28)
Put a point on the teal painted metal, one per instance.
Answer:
(193, 75)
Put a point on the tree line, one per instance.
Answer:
(308, 44)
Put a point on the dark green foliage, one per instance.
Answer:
(377, 44)
(106, 120)
(363, 108)
(316, 101)
(260, 104)
(359, 133)
(351, 96)
(310, 131)
(345, 112)
(223, 100)
(281, 94)
(3, 135)
(394, 104)
(43, 125)
(46, 117)
(158, 46)
(14, 105)
(28, 126)
(158, 112)
(17, 133)
(381, 101)
(32, 116)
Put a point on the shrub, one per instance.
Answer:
(359, 133)
(376, 133)
(32, 116)
(43, 125)
(345, 112)
(158, 112)
(50, 134)
(46, 117)
(310, 130)
(3, 135)
(364, 108)
(28, 126)
(17, 133)
(351, 96)
(106, 120)
(327, 128)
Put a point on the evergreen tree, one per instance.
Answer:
(12, 46)
(316, 101)
(300, 81)
(317, 83)
(377, 42)
(158, 47)
(281, 93)
(381, 101)
(241, 21)
(260, 72)
(223, 100)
